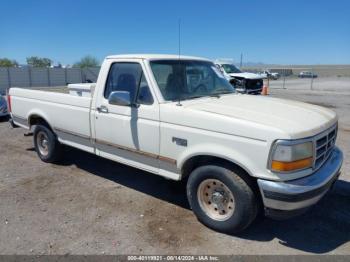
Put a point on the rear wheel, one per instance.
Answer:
(221, 199)
(46, 144)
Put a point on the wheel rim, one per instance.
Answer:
(216, 199)
(42, 141)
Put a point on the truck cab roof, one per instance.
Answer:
(156, 57)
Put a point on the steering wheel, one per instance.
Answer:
(200, 87)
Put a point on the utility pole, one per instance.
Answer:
(240, 64)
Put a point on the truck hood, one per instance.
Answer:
(294, 119)
(246, 75)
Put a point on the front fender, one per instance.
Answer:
(223, 152)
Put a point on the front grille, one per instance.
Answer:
(253, 83)
(324, 145)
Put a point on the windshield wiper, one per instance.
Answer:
(222, 93)
(208, 95)
(193, 97)
(217, 95)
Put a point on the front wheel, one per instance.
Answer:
(221, 199)
(46, 144)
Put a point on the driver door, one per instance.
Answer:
(128, 134)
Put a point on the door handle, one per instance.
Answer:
(102, 109)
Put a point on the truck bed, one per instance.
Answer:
(67, 114)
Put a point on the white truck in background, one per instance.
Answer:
(179, 118)
(267, 74)
(244, 82)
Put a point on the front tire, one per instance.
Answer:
(46, 144)
(221, 199)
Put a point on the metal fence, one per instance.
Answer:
(326, 78)
(30, 77)
(330, 78)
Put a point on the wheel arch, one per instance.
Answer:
(195, 161)
(35, 118)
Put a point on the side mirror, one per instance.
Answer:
(119, 98)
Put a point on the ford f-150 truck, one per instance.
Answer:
(178, 117)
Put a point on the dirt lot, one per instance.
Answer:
(89, 205)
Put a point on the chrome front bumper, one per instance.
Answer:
(301, 193)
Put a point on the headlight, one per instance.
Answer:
(287, 158)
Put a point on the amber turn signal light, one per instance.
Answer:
(290, 166)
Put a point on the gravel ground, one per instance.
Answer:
(89, 205)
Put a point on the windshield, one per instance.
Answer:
(186, 79)
(229, 69)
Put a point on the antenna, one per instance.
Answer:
(179, 49)
(179, 32)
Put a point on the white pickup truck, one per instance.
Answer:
(179, 118)
(244, 82)
(268, 74)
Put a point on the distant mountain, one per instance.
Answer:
(252, 64)
(263, 65)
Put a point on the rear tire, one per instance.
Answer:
(221, 199)
(46, 144)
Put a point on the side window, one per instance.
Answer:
(125, 76)
(144, 95)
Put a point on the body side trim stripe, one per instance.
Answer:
(20, 120)
(151, 155)
(102, 142)
(71, 133)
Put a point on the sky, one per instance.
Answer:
(272, 32)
